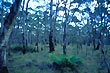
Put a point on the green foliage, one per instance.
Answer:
(64, 60)
(58, 58)
(19, 48)
(75, 60)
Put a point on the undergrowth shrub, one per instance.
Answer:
(62, 61)
(19, 48)
(15, 48)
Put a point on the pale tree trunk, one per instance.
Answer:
(8, 25)
(100, 43)
(25, 33)
(51, 44)
(37, 32)
(65, 25)
(27, 39)
(55, 17)
(46, 30)
(101, 48)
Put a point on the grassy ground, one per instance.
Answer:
(39, 62)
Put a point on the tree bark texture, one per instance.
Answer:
(8, 25)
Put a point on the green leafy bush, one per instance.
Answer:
(74, 60)
(62, 61)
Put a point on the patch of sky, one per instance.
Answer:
(108, 9)
(72, 23)
(0, 25)
(74, 5)
(86, 15)
(29, 25)
(20, 27)
(83, 6)
(16, 26)
(85, 21)
(61, 13)
(78, 15)
(44, 3)
(35, 27)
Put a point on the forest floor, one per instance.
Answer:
(39, 62)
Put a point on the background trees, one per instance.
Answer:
(57, 22)
(81, 15)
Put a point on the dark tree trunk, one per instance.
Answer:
(24, 40)
(24, 47)
(37, 42)
(51, 45)
(55, 41)
(1, 58)
(94, 36)
(64, 43)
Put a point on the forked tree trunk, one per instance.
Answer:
(8, 25)
(103, 52)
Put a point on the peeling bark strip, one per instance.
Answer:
(8, 25)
